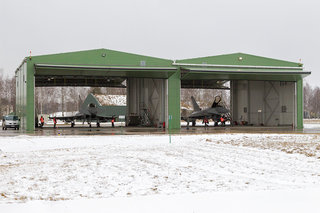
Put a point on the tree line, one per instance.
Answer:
(311, 101)
(7, 95)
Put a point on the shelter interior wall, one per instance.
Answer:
(240, 100)
(146, 98)
(287, 99)
(256, 104)
(271, 103)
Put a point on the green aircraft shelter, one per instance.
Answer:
(264, 91)
(153, 84)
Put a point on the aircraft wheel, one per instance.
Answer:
(193, 123)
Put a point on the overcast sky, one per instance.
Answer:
(172, 29)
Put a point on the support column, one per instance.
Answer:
(174, 86)
(30, 96)
(299, 88)
(127, 101)
(234, 100)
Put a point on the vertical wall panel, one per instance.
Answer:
(146, 98)
(256, 102)
(287, 102)
(174, 86)
(270, 103)
(21, 94)
(240, 100)
(299, 89)
(30, 109)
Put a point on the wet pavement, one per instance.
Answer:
(66, 130)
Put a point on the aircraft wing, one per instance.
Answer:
(213, 113)
(200, 115)
(69, 118)
(104, 118)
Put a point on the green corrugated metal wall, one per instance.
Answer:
(174, 85)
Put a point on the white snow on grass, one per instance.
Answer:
(98, 170)
(276, 201)
(56, 168)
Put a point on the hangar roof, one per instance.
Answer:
(104, 67)
(99, 67)
(240, 66)
(102, 57)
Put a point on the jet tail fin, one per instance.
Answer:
(216, 101)
(194, 104)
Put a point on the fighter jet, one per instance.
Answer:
(215, 112)
(90, 110)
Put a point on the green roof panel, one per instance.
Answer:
(240, 59)
(101, 57)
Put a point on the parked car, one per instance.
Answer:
(10, 121)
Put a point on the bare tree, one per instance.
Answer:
(1, 93)
(315, 102)
(7, 94)
(12, 93)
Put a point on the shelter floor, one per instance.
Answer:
(120, 130)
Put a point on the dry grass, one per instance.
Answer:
(307, 149)
(311, 121)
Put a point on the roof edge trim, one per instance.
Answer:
(251, 72)
(23, 61)
(237, 66)
(101, 67)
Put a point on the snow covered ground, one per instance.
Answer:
(193, 173)
(276, 201)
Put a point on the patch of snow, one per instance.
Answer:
(311, 125)
(112, 100)
(277, 201)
